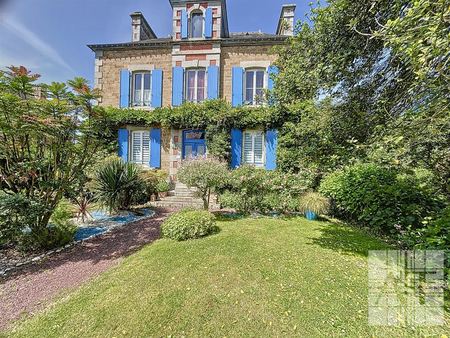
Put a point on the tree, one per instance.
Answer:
(383, 66)
(45, 144)
(204, 174)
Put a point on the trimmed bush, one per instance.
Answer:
(188, 224)
(379, 197)
(256, 190)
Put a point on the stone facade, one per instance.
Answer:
(146, 52)
(112, 61)
(244, 56)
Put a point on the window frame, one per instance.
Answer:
(133, 87)
(253, 133)
(191, 24)
(186, 84)
(255, 102)
(142, 161)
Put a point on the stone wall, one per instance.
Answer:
(107, 77)
(242, 56)
(111, 62)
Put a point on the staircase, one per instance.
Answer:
(179, 198)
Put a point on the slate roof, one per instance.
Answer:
(242, 38)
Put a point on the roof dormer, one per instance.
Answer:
(199, 20)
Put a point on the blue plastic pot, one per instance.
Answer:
(310, 216)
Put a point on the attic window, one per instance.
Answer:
(197, 25)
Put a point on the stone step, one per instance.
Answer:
(177, 205)
(184, 190)
(181, 194)
(181, 197)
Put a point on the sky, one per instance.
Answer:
(49, 37)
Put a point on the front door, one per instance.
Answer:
(194, 143)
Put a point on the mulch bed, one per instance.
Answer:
(30, 289)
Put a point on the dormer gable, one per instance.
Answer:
(199, 20)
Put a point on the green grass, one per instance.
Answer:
(257, 277)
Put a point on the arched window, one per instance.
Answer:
(196, 29)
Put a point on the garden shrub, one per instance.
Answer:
(59, 232)
(435, 233)
(118, 185)
(188, 224)
(18, 214)
(54, 235)
(19, 224)
(163, 186)
(152, 179)
(256, 190)
(379, 197)
(206, 175)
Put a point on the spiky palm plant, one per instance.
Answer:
(117, 184)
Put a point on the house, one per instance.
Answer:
(201, 60)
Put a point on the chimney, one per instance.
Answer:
(286, 22)
(141, 30)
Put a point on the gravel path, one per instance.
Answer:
(32, 288)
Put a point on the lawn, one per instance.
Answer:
(256, 277)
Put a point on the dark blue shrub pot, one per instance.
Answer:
(310, 216)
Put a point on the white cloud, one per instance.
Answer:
(26, 35)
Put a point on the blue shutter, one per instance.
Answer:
(213, 82)
(184, 24)
(155, 148)
(236, 148)
(123, 144)
(177, 86)
(273, 70)
(238, 82)
(157, 82)
(208, 23)
(271, 149)
(124, 88)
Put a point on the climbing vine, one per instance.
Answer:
(217, 117)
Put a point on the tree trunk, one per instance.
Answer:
(205, 198)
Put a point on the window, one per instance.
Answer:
(140, 147)
(255, 83)
(196, 30)
(141, 89)
(195, 85)
(253, 148)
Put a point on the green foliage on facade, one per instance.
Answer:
(217, 117)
